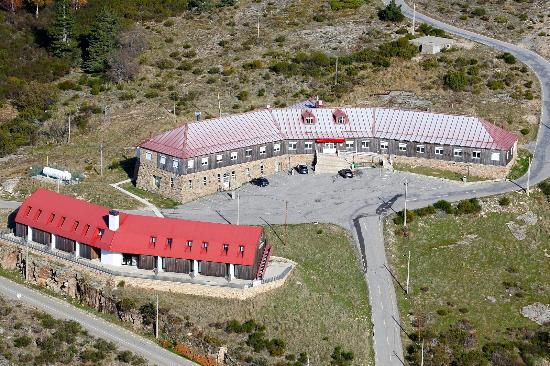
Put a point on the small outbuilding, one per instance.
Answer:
(431, 45)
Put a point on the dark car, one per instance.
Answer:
(260, 182)
(302, 169)
(346, 173)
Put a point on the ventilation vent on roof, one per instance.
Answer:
(28, 211)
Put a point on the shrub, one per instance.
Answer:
(479, 12)
(125, 356)
(524, 131)
(496, 85)
(425, 211)
(243, 95)
(544, 186)
(253, 65)
(249, 326)
(276, 347)
(185, 65)
(151, 94)
(468, 206)
(126, 96)
(508, 58)
(392, 12)
(68, 85)
(233, 326)
(444, 206)
(165, 64)
(22, 341)
(345, 4)
(168, 23)
(256, 341)
(400, 218)
(340, 357)
(442, 312)
(455, 80)
(504, 201)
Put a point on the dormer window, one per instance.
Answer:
(169, 242)
(189, 243)
(62, 221)
(241, 249)
(226, 248)
(340, 120)
(52, 217)
(75, 225)
(37, 216)
(308, 117)
(28, 211)
(153, 240)
(205, 245)
(100, 232)
(86, 229)
(340, 117)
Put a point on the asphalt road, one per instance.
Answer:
(98, 327)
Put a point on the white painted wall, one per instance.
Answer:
(112, 258)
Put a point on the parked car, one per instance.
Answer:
(346, 173)
(302, 169)
(260, 182)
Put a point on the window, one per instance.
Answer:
(190, 164)
(100, 232)
(262, 150)
(349, 144)
(50, 220)
(247, 172)
(28, 211)
(308, 145)
(148, 156)
(205, 245)
(153, 240)
(171, 182)
(87, 229)
(476, 154)
(175, 164)
(219, 178)
(234, 155)
(292, 145)
(383, 145)
(241, 249)
(420, 149)
(226, 248)
(276, 147)
(75, 225)
(365, 144)
(204, 181)
(439, 150)
(190, 243)
(62, 221)
(163, 159)
(156, 181)
(219, 158)
(495, 156)
(169, 242)
(190, 184)
(457, 153)
(340, 120)
(262, 169)
(402, 147)
(309, 120)
(248, 153)
(233, 175)
(204, 161)
(37, 216)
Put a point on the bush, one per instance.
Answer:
(169, 23)
(508, 58)
(165, 64)
(22, 341)
(68, 85)
(444, 206)
(468, 206)
(233, 326)
(276, 347)
(392, 12)
(455, 80)
(400, 218)
(256, 341)
(479, 12)
(341, 358)
(253, 65)
(544, 186)
(524, 131)
(496, 85)
(425, 211)
(504, 201)
(345, 4)
(243, 95)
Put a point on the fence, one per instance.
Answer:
(7, 236)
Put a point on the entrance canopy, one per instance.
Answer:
(336, 141)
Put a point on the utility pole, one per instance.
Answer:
(528, 176)
(157, 319)
(405, 211)
(408, 272)
(286, 224)
(101, 158)
(414, 19)
(219, 106)
(336, 74)
(422, 354)
(69, 137)
(258, 28)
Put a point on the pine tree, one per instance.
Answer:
(102, 41)
(63, 43)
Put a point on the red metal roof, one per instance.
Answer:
(271, 125)
(135, 231)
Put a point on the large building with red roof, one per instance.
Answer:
(162, 244)
(203, 157)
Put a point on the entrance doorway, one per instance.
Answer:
(329, 148)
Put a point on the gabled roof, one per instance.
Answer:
(270, 125)
(135, 231)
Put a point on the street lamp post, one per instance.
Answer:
(405, 211)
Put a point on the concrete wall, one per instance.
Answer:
(112, 258)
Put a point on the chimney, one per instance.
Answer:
(318, 103)
(268, 106)
(198, 116)
(114, 221)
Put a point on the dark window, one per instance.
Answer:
(87, 229)
(189, 243)
(62, 221)
(153, 240)
(169, 242)
(38, 214)
(75, 225)
(28, 211)
(226, 248)
(205, 245)
(100, 232)
(52, 216)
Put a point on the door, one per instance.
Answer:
(225, 181)
(329, 148)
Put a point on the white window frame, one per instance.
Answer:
(308, 145)
(219, 158)
(262, 150)
(190, 164)
(365, 144)
(148, 156)
(350, 144)
(340, 120)
(292, 145)
(276, 147)
(457, 153)
(163, 159)
(175, 163)
(309, 120)
(402, 146)
(204, 180)
(439, 150)
(495, 155)
(420, 149)
(234, 155)
(204, 161)
(384, 145)
(478, 153)
(248, 153)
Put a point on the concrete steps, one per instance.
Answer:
(330, 163)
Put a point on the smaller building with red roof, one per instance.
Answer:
(161, 244)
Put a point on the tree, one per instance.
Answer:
(102, 41)
(392, 12)
(39, 4)
(11, 5)
(456, 80)
(77, 4)
(63, 43)
(123, 63)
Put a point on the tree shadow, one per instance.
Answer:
(129, 165)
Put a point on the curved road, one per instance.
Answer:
(123, 338)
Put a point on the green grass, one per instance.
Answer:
(458, 261)
(521, 165)
(154, 198)
(439, 173)
(323, 304)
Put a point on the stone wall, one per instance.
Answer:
(192, 186)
